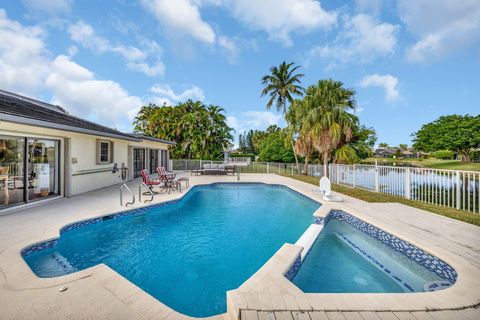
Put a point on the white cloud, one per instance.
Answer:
(180, 18)
(77, 89)
(136, 58)
(362, 39)
(279, 18)
(23, 62)
(369, 6)
(165, 94)
(231, 49)
(253, 120)
(387, 82)
(50, 7)
(72, 51)
(442, 26)
(25, 67)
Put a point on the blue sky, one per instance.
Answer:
(409, 61)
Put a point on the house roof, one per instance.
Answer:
(20, 109)
(143, 137)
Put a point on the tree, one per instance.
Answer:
(457, 133)
(200, 131)
(403, 146)
(304, 147)
(281, 85)
(241, 143)
(383, 145)
(359, 147)
(326, 115)
(272, 146)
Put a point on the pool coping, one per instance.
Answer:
(267, 289)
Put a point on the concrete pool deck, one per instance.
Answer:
(101, 293)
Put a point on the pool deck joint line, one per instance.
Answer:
(101, 293)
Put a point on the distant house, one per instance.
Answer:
(385, 152)
(46, 153)
(391, 152)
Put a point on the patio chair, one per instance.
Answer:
(148, 182)
(168, 180)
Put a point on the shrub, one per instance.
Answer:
(444, 154)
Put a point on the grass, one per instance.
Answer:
(370, 196)
(429, 163)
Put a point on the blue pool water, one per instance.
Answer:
(187, 254)
(345, 259)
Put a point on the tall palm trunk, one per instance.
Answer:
(325, 164)
(305, 166)
(295, 154)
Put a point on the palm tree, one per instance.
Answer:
(304, 147)
(327, 116)
(383, 145)
(282, 84)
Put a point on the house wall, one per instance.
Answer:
(85, 174)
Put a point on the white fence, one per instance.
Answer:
(245, 167)
(449, 188)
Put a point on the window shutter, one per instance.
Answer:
(97, 153)
(111, 152)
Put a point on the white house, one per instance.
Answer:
(46, 153)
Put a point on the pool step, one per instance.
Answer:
(308, 239)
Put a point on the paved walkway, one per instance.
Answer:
(101, 293)
(467, 314)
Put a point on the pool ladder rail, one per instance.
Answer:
(149, 191)
(124, 186)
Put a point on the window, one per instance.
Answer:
(104, 151)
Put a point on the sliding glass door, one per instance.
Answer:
(164, 160)
(43, 165)
(138, 161)
(153, 160)
(12, 151)
(29, 169)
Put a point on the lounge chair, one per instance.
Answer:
(214, 168)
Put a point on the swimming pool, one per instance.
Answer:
(353, 256)
(186, 254)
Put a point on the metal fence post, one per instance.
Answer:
(377, 184)
(457, 182)
(292, 169)
(407, 183)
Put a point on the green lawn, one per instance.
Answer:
(429, 163)
(370, 196)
